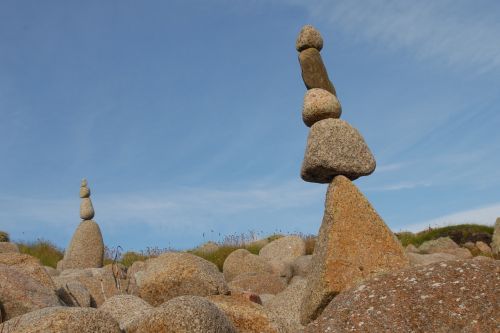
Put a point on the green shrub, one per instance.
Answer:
(4, 237)
(460, 234)
(218, 256)
(48, 253)
(128, 258)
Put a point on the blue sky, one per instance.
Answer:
(185, 116)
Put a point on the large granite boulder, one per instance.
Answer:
(100, 283)
(62, 320)
(246, 316)
(176, 274)
(242, 261)
(353, 244)
(444, 245)
(417, 259)
(335, 148)
(183, 314)
(286, 305)
(454, 296)
(28, 265)
(284, 248)
(21, 293)
(6, 247)
(74, 293)
(259, 283)
(125, 309)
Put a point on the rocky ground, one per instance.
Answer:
(445, 289)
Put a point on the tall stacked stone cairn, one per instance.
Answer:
(86, 249)
(353, 242)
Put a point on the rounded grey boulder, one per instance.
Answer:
(176, 274)
(62, 319)
(184, 314)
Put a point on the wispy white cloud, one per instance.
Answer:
(184, 210)
(457, 33)
(481, 215)
(404, 185)
(390, 167)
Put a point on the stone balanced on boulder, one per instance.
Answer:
(353, 242)
(86, 249)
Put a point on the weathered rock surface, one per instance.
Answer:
(242, 261)
(125, 309)
(284, 248)
(74, 293)
(314, 73)
(426, 259)
(86, 209)
(309, 37)
(455, 296)
(184, 314)
(259, 283)
(282, 268)
(410, 248)
(246, 316)
(335, 148)
(320, 104)
(100, 283)
(134, 274)
(440, 245)
(176, 274)
(51, 271)
(29, 265)
(495, 241)
(483, 247)
(62, 319)
(21, 293)
(353, 244)
(86, 249)
(301, 266)
(8, 247)
(286, 305)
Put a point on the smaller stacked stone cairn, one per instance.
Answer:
(353, 242)
(86, 249)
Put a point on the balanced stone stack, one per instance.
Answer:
(86, 249)
(353, 242)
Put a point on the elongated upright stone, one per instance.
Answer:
(353, 244)
(335, 148)
(314, 72)
(86, 249)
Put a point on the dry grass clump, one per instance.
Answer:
(47, 252)
(4, 237)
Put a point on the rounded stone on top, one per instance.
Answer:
(84, 192)
(320, 104)
(309, 37)
(84, 182)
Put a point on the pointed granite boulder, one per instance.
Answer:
(353, 244)
(335, 148)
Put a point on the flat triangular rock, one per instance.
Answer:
(353, 244)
